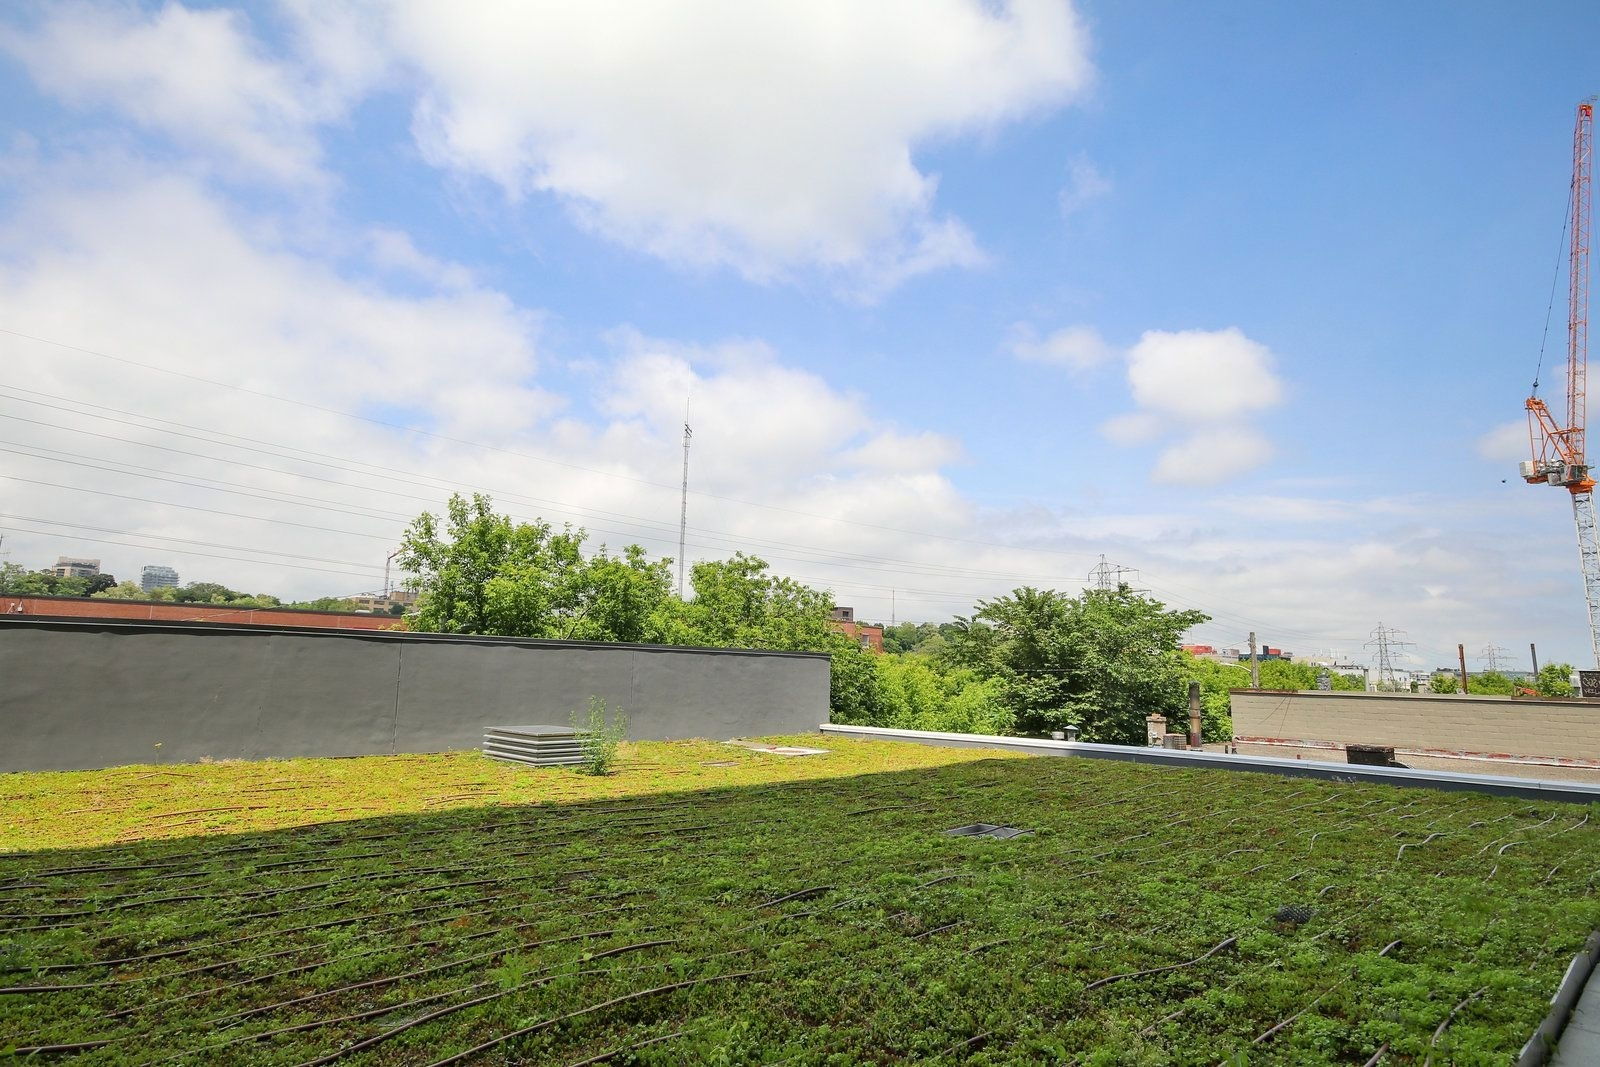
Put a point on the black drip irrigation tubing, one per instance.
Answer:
(1508, 816)
(1385, 951)
(391, 1009)
(118, 903)
(410, 947)
(261, 894)
(361, 986)
(281, 890)
(545, 1024)
(1394, 865)
(240, 961)
(396, 1031)
(566, 818)
(308, 837)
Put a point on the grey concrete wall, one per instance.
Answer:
(81, 694)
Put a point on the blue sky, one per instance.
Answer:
(1242, 296)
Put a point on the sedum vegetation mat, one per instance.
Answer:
(1152, 916)
(59, 809)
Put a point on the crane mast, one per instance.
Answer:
(1558, 451)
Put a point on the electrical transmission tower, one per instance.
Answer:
(1493, 657)
(1108, 575)
(1389, 644)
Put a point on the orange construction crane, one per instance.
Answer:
(1558, 451)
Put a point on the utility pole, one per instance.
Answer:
(1255, 667)
(1533, 654)
(683, 506)
(891, 608)
(1461, 655)
(1389, 643)
(388, 589)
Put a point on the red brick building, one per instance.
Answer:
(864, 634)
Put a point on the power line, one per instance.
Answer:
(512, 452)
(866, 561)
(186, 552)
(651, 526)
(180, 540)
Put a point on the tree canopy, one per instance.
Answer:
(1101, 660)
(482, 573)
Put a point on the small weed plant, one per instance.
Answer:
(601, 738)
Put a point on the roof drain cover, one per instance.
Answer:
(986, 829)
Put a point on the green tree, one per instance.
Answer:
(1216, 707)
(98, 583)
(17, 580)
(1554, 680)
(481, 573)
(621, 598)
(913, 636)
(1444, 683)
(122, 591)
(323, 603)
(1101, 661)
(205, 593)
(739, 604)
(918, 695)
(1490, 683)
(1285, 674)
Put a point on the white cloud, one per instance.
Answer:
(1085, 184)
(1132, 428)
(767, 137)
(1202, 375)
(1211, 455)
(394, 250)
(1074, 347)
(155, 265)
(772, 138)
(197, 76)
(1506, 443)
(1202, 385)
(157, 269)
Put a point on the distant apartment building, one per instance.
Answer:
(156, 576)
(75, 567)
(379, 604)
(1212, 652)
(869, 637)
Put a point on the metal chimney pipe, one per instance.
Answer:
(1194, 714)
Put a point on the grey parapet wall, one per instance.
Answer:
(78, 694)
(1528, 730)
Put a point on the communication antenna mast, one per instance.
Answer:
(1389, 643)
(683, 506)
(1558, 451)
